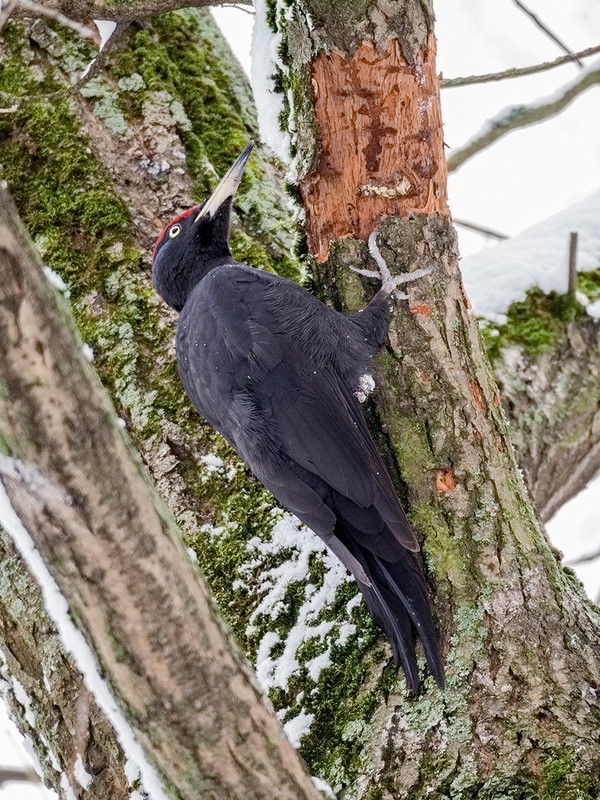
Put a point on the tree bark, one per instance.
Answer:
(117, 556)
(145, 139)
(520, 711)
(552, 402)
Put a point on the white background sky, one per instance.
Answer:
(526, 177)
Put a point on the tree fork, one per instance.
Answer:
(520, 707)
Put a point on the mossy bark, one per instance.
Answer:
(519, 715)
(95, 174)
(117, 557)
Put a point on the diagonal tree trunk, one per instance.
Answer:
(112, 548)
(141, 140)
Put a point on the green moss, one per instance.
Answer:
(537, 324)
(589, 284)
(563, 779)
(181, 61)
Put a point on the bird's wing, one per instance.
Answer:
(295, 423)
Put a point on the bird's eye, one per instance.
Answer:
(174, 231)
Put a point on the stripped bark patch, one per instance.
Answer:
(424, 310)
(478, 397)
(380, 142)
(445, 480)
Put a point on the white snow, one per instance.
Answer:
(323, 787)
(84, 778)
(297, 727)
(88, 352)
(212, 463)
(69, 794)
(105, 29)
(289, 534)
(265, 63)
(73, 640)
(500, 275)
(593, 309)
(55, 280)
(24, 700)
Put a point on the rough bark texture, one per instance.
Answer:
(117, 556)
(46, 694)
(145, 139)
(552, 399)
(519, 716)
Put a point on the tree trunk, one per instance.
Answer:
(141, 141)
(520, 712)
(117, 558)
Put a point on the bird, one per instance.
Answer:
(281, 376)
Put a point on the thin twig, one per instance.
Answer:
(537, 21)
(10, 110)
(8, 774)
(584, 559)
(520, 116)
(249, 11)
(6, 12)
(480, 229)
(39, 10)
(518, 72)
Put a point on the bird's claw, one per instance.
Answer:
(389, 282)
(368, 273)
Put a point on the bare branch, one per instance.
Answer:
(583, 559)
(10, 774)
(83, 10)
(6, 12)
(521, 116)
(518, 72)
(471, 226)
(543, 27)
(38, 10)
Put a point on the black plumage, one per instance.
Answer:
(277, 373)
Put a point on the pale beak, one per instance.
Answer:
(228, 186)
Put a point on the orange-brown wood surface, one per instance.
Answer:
(380, 139)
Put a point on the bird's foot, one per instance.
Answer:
(389, 282)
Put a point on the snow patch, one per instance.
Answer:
(289, 534)
(298, 727)
(593, 309)
(23, 700)
(83, 777)
(55, 280)
(88, 352)
(74, 641)
(106, 28)
(265, 65)
(212, 463)
(501, 275)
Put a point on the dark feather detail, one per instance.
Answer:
(275, 371)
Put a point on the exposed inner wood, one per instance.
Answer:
(380, 141)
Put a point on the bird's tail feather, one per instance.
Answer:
(398, 601)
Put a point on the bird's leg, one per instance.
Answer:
(389, 282)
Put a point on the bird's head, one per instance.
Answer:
(197, 240)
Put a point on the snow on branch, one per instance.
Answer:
(501, 275)
(515, 117)
(518, 72)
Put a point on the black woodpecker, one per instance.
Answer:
(280, 376)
